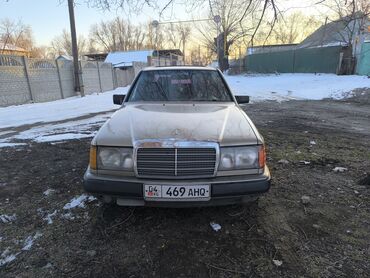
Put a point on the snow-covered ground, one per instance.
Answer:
(58, 110)
(289, 86)
(282, 87)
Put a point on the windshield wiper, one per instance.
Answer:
(163, 93)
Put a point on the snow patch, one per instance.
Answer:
(58, 110)
(277, 262)
(290, 86)
(48, 192)
(6, 132)
(340, 169)
(30, 240)
(79, 202)
(7, 218)
(49, 217)
(64, 131)
(10, 145)
(6, 257)
(62, 137)
(215, 226)
(68, 216)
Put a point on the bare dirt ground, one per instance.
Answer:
(327, 237)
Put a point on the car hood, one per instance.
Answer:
(224, 123)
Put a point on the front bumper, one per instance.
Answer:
(224, 190)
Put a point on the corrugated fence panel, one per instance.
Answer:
(44, 80)
(322, 59)
(66, 78)
(13, 81)
(24, 80)
(271, 62)
(363, 67)
(90, 77)
(106, 76)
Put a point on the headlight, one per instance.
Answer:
(115, 158)
(239, 158)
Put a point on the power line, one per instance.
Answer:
(185, 21)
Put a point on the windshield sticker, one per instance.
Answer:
(157, 76)
(181, 81)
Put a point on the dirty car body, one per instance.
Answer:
(181, 139)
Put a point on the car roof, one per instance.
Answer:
(178, 68)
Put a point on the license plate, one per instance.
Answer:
(154, 192)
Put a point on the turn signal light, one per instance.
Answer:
(262, 156)
(93, 157)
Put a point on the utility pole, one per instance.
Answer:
(217, 20)
(76, 67)
(155, 24)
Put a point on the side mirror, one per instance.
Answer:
(242, 99)
(118, 99)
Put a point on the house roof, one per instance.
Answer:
(97, 56)
(335, 33)
(270, 48)
(167, 52)
(178, 68)
(65, 57)
(11, 47)
(126, 58)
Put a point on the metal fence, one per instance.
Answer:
(24, 80)
(323, 60)
(363, 67)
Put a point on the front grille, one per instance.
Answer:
(176, 162)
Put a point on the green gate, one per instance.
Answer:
(363, 66)
(322, 59)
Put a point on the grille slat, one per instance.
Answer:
(176, 162)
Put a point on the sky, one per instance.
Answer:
(48, 18)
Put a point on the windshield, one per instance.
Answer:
(180, 85)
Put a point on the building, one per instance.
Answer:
(270, 48)
(125, 59)
(163, 57)
(340, 47)
(64, 57)
(11, 49)
(127, 64)
(352, 33)
(100, 57)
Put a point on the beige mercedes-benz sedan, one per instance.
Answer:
(180, 139)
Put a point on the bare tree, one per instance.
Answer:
(62, 44)
(240, 22)
(240, 18)
(293, 28)
(130, 6)
(155, 37)
(172, 35)
(348, 21)
(184, 32)
(16, 33)
(42, 52)
(177, 35)
(117, 34)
